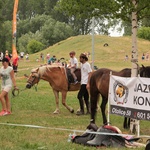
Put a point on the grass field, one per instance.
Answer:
(33, 107)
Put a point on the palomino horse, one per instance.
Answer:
(99, 85)
(58, 79)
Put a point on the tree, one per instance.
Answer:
(49, 6)
(54, 31)
(1, 21)
(31, 18)
(7, 36)
(7, 9)
(144, 33)
(80, 13)
(25, 39)
(31, 25)
(44, 29)
(5, 33)
(34, 46)
(28, 9)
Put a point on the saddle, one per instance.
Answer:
(70, 77)
(103, 140)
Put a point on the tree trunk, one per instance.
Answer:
(134, 125)
(134, 55)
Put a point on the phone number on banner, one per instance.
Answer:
(129, 112)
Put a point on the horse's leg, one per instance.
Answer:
(64, 95)
(93, 103)
(56, 93)
(103, 108)
(126, 123)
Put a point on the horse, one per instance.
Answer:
(59, 78)
(99, 85)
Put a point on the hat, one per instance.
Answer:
(5, 60)
(83, 56)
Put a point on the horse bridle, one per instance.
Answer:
(33, 78)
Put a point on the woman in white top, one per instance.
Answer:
(7, 76)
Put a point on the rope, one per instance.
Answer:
(71, 130)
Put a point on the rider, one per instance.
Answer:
(73, 64)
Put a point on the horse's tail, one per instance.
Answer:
(94, 95)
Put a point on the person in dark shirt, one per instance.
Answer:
(52, 60)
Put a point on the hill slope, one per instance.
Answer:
(111, 56)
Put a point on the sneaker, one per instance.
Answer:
(7, 113)
(75, 82)
(80, 113)
(87, 113)
(3, 113)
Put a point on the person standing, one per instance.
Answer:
(7, 76)
(73, 64)
(15, 64)
(27, 56)
(83, 92)
(7, 55)
(1, 56)
(21, 55)
(47, 57)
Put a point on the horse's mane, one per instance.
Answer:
(42, 69)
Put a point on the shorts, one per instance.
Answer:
(6, 88)
(15, 68)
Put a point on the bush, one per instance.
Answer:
(144, 33)
(34, 46)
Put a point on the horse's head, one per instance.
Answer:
(120, 91)
(145, 71)
(33, 78)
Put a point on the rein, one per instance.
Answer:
(15, 92)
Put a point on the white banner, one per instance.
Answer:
(130, 97)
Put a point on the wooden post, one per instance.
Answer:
(14, 30)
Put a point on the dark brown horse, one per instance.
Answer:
(99, 85)
(58, 79)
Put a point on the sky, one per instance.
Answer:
(115, 33)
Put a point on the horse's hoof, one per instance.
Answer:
(72, 110)
(125, 127)
(107, 123)
(56, 112)
(92, 126)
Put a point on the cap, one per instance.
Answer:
(5, 60)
